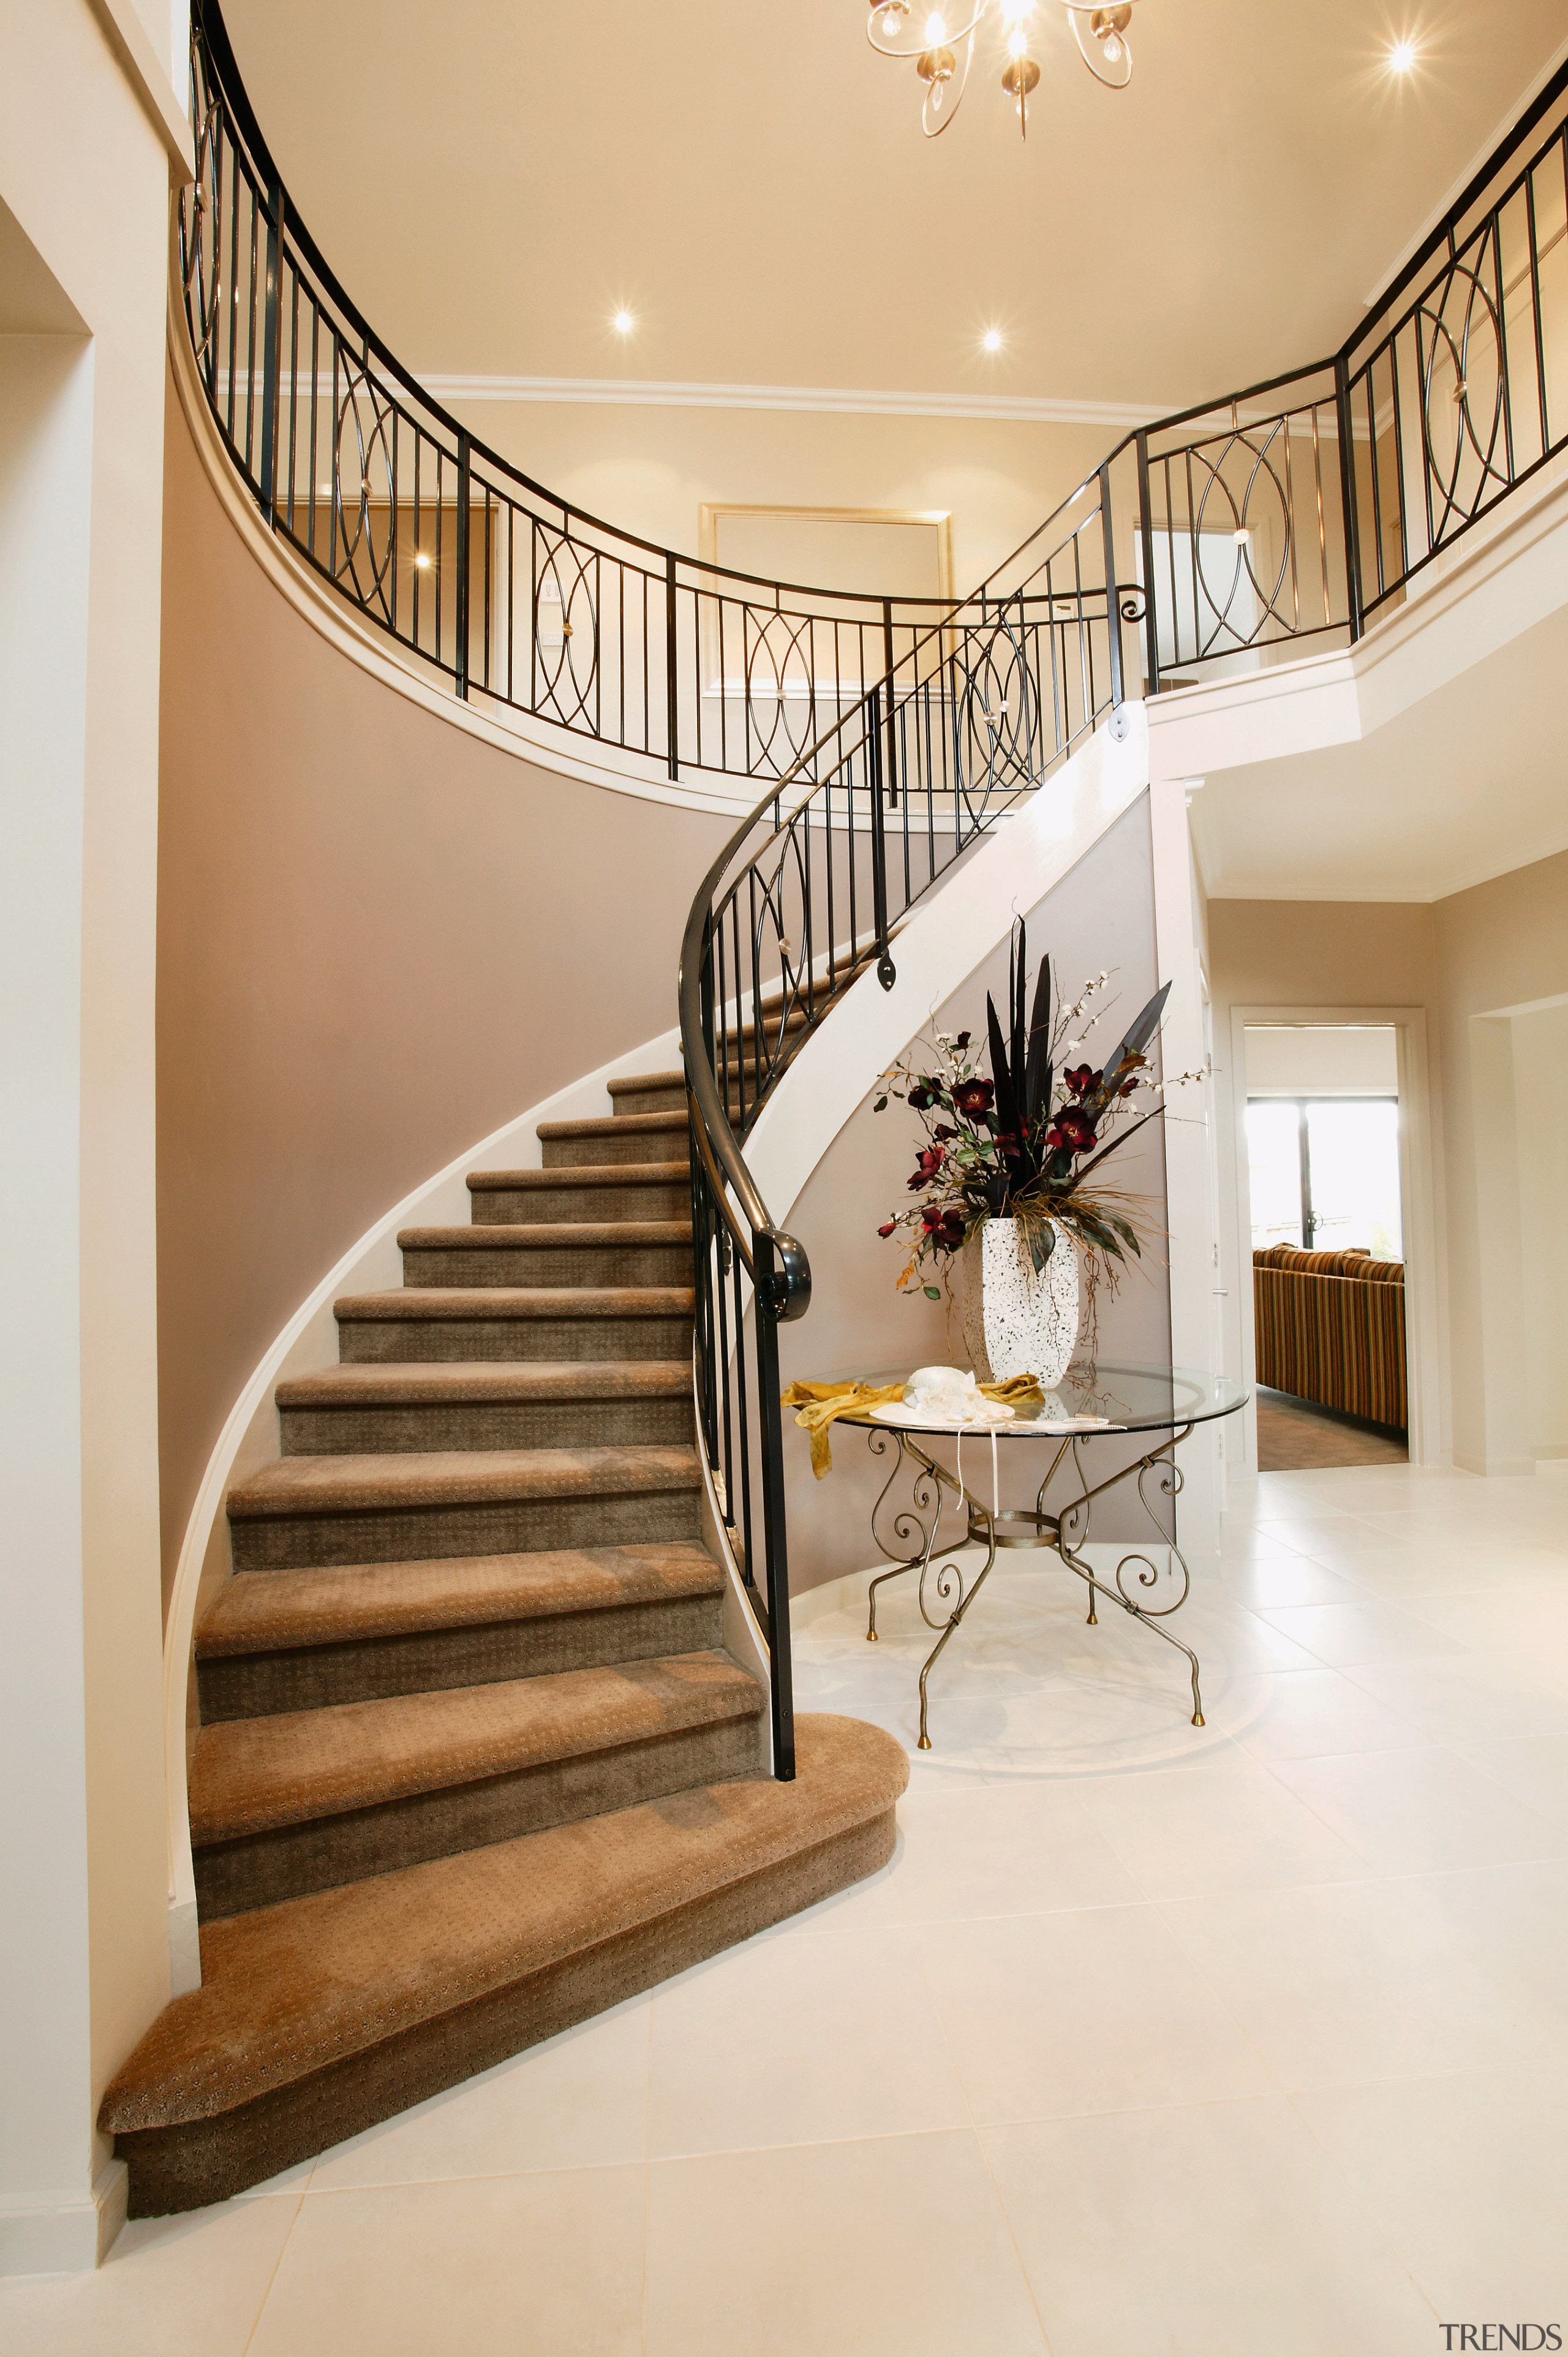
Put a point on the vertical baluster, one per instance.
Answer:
(774, 1536)
(1145, 526)
(1346, 423)
(672, 694)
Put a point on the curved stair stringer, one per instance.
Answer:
(940, 941)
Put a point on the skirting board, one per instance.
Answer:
(63, 2234)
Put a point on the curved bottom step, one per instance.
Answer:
(321, 2016)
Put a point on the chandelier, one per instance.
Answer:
(934, 47)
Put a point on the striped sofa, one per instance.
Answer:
(1330, 1328)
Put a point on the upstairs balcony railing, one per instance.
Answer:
(890, 732)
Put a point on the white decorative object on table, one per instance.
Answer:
(1017, 1322)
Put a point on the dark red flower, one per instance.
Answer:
(1008, 1145)
(973, 1098)
(1055, 1141)
(961, 1042)
(943, 1134)
(924, 1095)
(1083, 1081)
(1076, 1131)
(929, 1168)
(888, 1228)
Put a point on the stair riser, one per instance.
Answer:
(315, 1677)
(502, 1526)
(232, 1877)
(597, 1266)
(512, 1207)
(447, 1341)
(667, 1100)
(487, 1424)
(594, 1152)
(205, 2160)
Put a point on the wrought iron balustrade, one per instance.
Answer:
(517, 600)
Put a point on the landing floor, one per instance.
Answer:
(1251, 2039)
(1296, 1436)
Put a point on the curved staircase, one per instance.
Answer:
(473, 1761)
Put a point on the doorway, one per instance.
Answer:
(1326, 1228)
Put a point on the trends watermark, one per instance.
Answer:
(1503, 2336)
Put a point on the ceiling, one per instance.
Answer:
(492, 178)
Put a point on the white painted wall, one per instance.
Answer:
(83, 1955)
(1540, 1120)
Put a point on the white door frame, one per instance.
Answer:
(1418, 1219)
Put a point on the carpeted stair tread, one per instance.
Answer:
(261, 1610)
(290, 1989)
(574, 1235)
(619, 1126)
(580, 1174)
(636, 1084)
(421, 1383)
(252, 1775)
(513, 1301)
(304, 1485)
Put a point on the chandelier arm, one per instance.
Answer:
(920, 44)
(1106, 81)
(934, 113)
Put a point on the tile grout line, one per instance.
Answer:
(963, 2086)
(277, 2265)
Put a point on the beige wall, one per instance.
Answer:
(1501, 946)
(85, 1961)
(650, 469)
(1540, 1114)
(378, 939)
(1471, 961)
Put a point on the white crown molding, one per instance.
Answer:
(626, 392)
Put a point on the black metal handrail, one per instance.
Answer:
(1293, 513)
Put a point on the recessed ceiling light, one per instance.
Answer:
(1402, 56)
(624, 322)
(992, 340)
(422, 561)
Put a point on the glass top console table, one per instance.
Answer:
(1091, 1404)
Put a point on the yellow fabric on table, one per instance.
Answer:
(821, 1404)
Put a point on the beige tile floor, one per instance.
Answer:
(1246, 2040)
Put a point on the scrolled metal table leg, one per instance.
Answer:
(905, 1526)
(1069, 1542)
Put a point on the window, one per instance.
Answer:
(1326, 1174)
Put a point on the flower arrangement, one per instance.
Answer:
(1030, 1141)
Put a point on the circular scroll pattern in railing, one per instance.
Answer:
(1236, 604)
(364, 481)
(200, 224)
(998, 712)
(565, 633)
(780, 690)
(1462, 384)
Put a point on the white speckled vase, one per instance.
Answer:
(1016, 1322)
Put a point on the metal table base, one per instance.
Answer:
(943, 1583)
